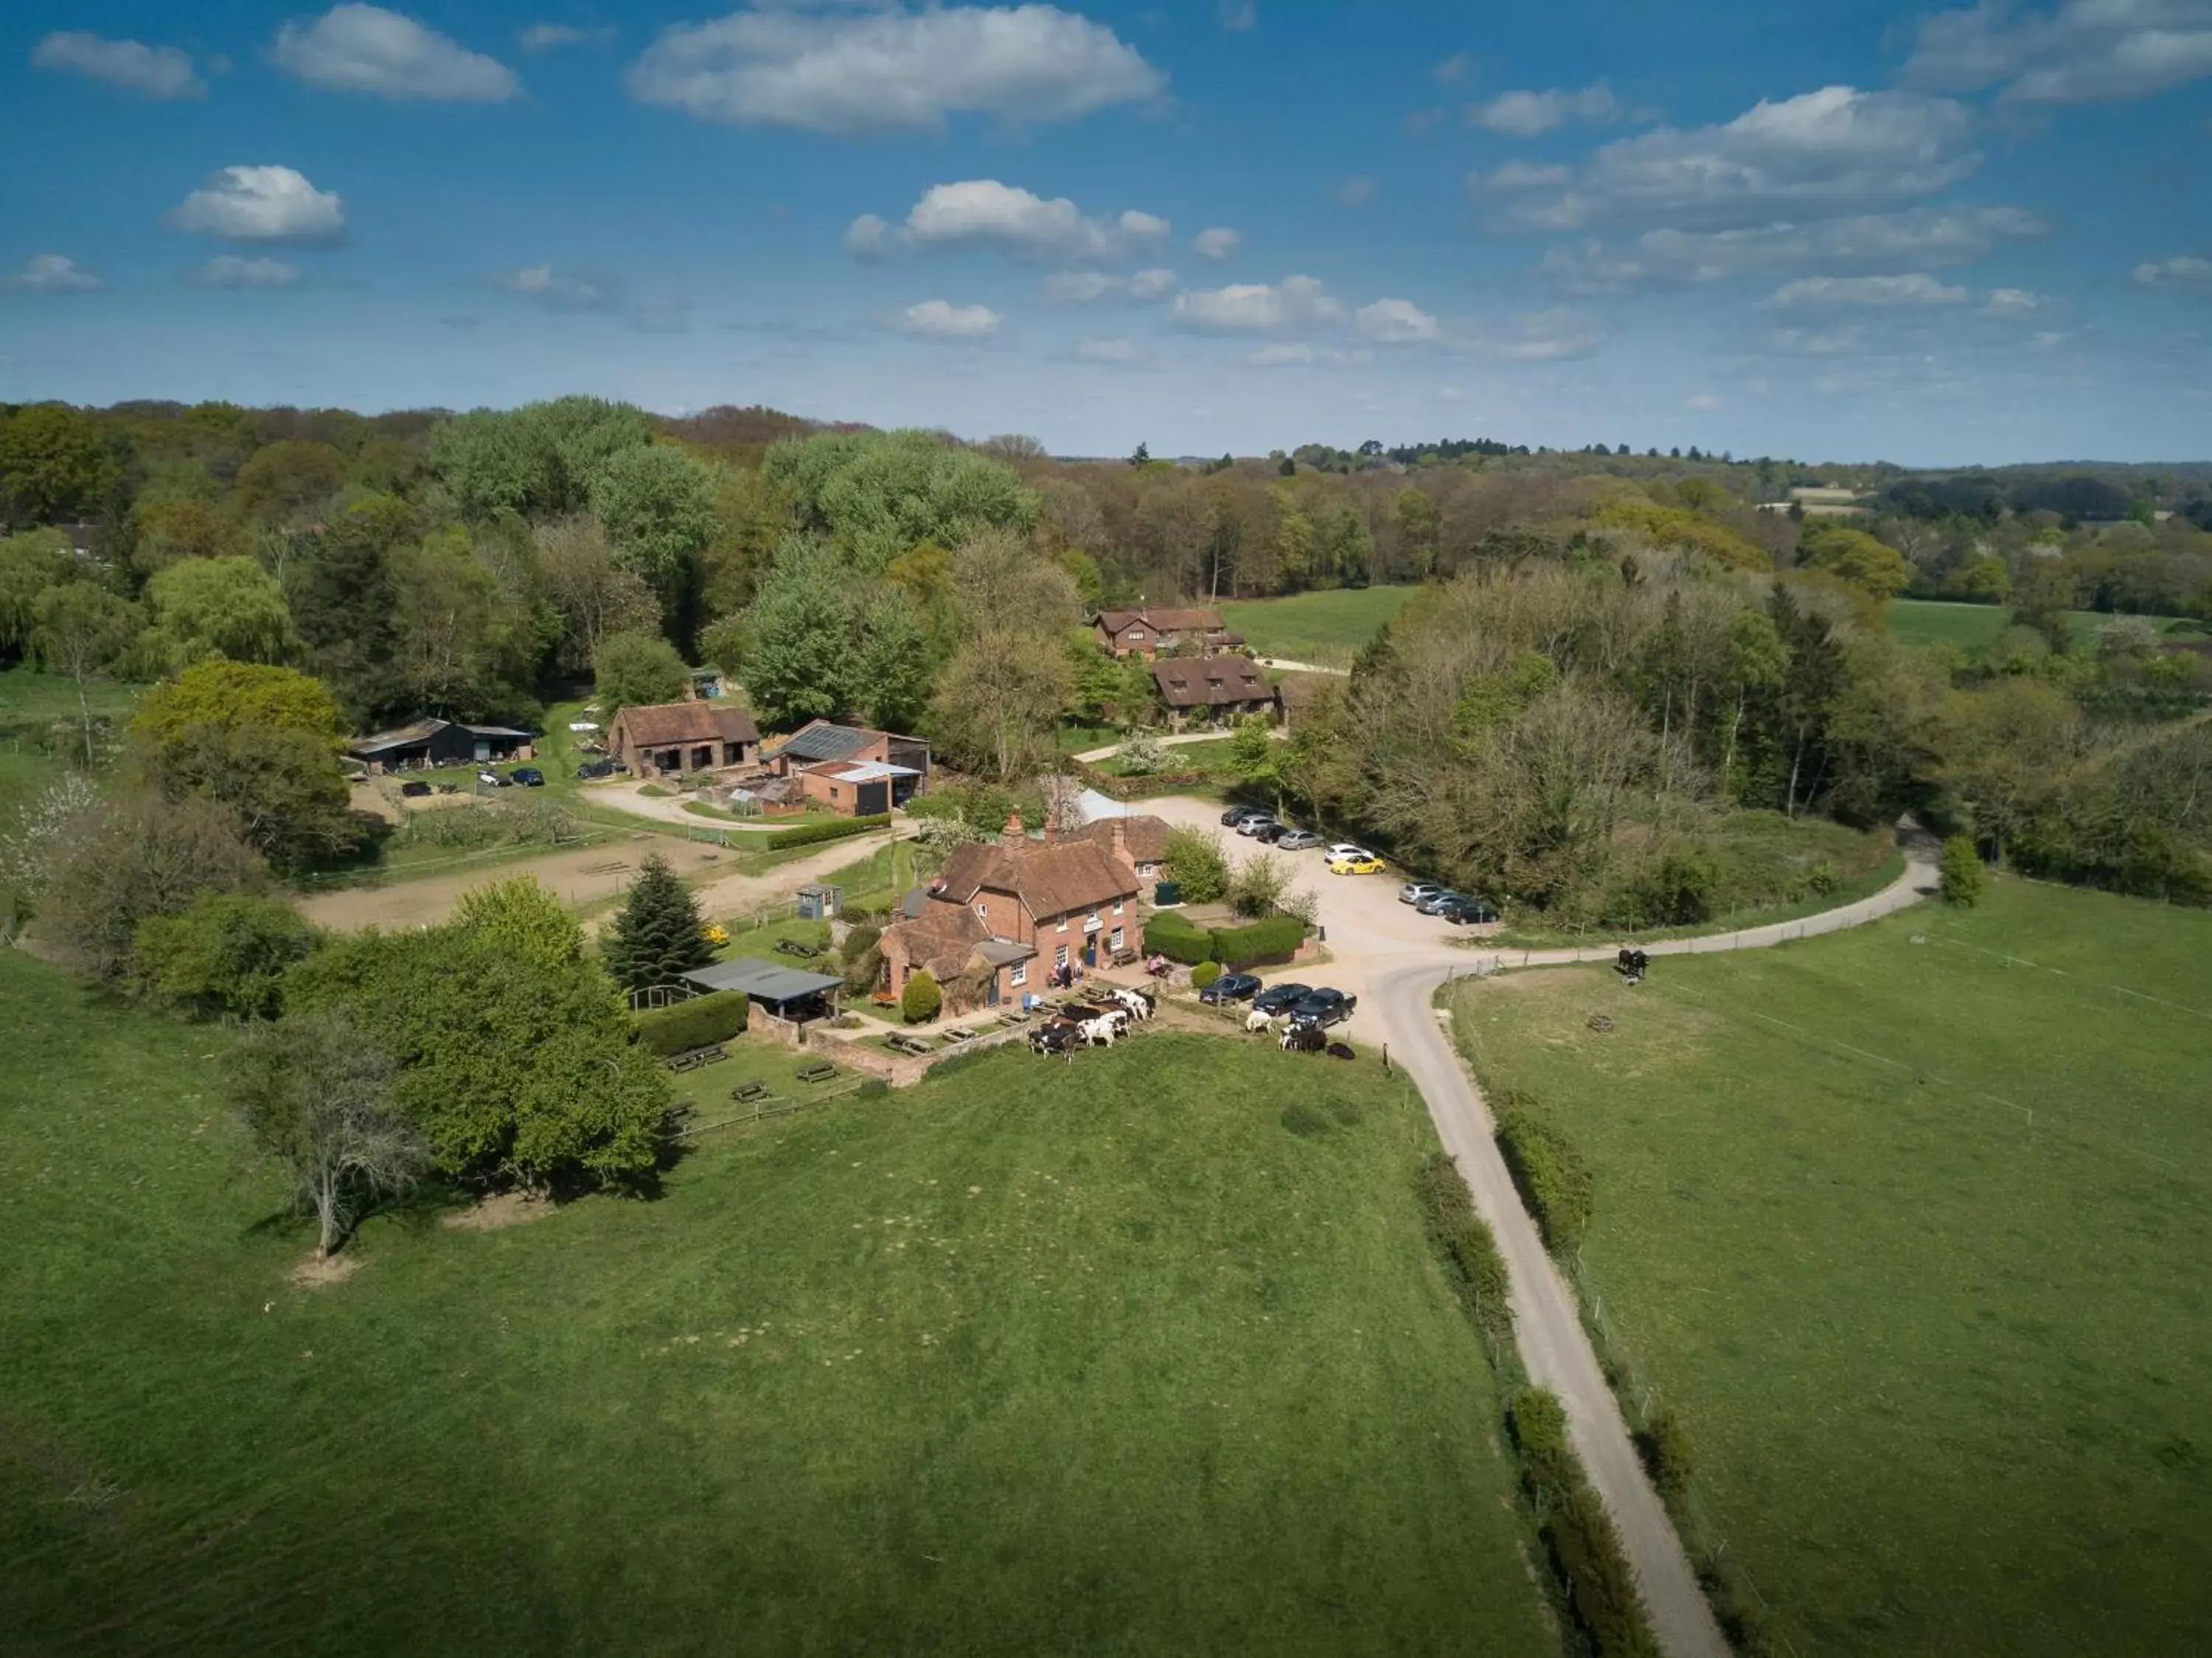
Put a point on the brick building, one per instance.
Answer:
(1146, 633)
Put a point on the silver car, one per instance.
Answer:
(1297, 840)
(1419, 891)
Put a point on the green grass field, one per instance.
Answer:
(1914, 1235)
(38, 724)
(1033, 1358)
(1970, 627)
(1324, 628)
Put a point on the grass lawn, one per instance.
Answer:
(1947, 1369)
(41, 729)
(1211, 757)
(1970, 627)
(1032, 1358)
(1327, 628)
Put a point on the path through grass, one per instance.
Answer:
(1910, 1224)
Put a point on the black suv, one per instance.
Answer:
(528, 776)
(1324, 1006)
(1280, 999)
(1463, 911)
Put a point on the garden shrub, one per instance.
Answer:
(921, 999)
(1467, 1241)
(874, 1089)
(808, 834)
(1552, 1178)
(858, 943)
(699, 1023)
(1197, 864)
(1959, 876)
(225, 954)
(1204, 974)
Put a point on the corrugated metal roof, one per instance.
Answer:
(874, 771)
(765, 979)
(825, 741)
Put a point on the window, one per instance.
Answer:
(1135, 634)
(1116, 940)
(1059, 957)
(1063, 924)
(1117, 906)
(1020, 976)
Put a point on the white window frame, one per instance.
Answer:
(1117, 906)
(1063, 925)
(1020, 975)
(1115, 941)
(1092, 922)
(1059, 957)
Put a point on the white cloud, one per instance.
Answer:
(868, 238)
(1843, 293)
(1454, 68)
(1356, 191)
(1238, 16)
(53, 273)
(547, 37)
(891, 69)
(2183, 270)
(231, 270)
(1395, 322)
(1546, 336)
(1299, 355)
(149, 71)
(1295, 303)
(1217, 243)
(2082, 51)
(1823, 154)
(949, 321)
(2046, 341)
(1106, 350)
(262, 204)
(1525, 114)
(2015, 302)
(557, 290)
(1086, 287)
(985, 213)
(1920, 236)
(1702, 403)
(363, 48)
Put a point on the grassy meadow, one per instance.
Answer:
(40, 727)
(1123, 1357)
(1910, 1227)
(1325, 628)
(1972, 627)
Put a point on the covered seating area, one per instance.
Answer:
(790, 994)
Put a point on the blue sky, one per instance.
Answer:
(1848, 231)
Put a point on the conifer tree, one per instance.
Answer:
(658, 934)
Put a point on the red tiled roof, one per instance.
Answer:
(1163, 621)
(657, 725)
(1210, 682)
(1050, 881)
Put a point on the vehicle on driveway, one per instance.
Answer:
(1255, 823)
(1323, 1007)
(1344, 849)
(1237, 814)
(528, 776)
(493, 780)
(1418, 893)
(1438, 898)
(1281, 998)
(1230, 987)
(1365, 864)
(591, 769)
(1464, 911)
(1271, 834)
(415, 789)
(1298, 840)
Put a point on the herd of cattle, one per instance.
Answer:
(1112, 1011)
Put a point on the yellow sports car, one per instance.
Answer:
(1366, 863)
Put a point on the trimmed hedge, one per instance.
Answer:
(1602, 1591)
(699, 1023)
(1171, 936)
(1204, 974)
(1278, 936)
(1665, 1445)
(810, 834)
(1467, 1242)
(1552, 1178)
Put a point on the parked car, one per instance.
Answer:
(1418, 893)
(1465, 912)
(1344, 849)
(1237, 814)
(491, 779)
(1230, 987)
(1323, 1007)
(1438, 898)
(415, 789)
(1298, 840)
(1278, 998)
(528, 776)
(597, 769)
(1365, 864)
(1255, 824)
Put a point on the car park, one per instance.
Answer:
(1298, 840)
(1418, 893)
(1237, 814)
(1324, 1006)
(1253, 825)
(1271, 834)
(1365, 864)
(1281, 998)
(1438, 898)
(528, 776)
(1230, 987)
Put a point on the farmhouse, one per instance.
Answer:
(1146, 633)
(1213, 688)
(1138, 840)
(428, 742)
(1057, 902)
(852, 769)
(658, 738)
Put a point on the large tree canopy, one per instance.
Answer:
(877, 495)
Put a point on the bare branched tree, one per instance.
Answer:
(315, 1093)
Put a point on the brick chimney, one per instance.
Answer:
(1013, 831)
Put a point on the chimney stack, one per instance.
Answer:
(1013, 831)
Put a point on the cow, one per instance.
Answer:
(1138, 1004)
(1255, 1020)
(1305, 1039)
(1099, 1033)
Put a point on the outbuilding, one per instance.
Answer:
(791, 994)
(432, 743)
